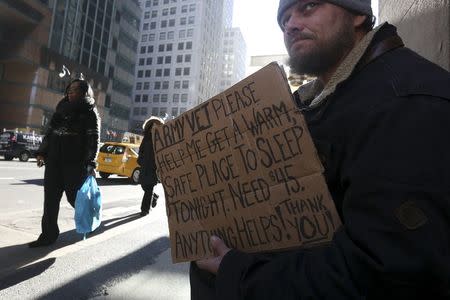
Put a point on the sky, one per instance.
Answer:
(258, 22)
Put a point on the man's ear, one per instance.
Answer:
(358, 20)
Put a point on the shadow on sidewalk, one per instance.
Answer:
(15, 260)
(95, 283)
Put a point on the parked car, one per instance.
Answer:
(119, 159)
(17, 144)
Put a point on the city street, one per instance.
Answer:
(127, 257)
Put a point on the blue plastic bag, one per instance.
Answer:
(88, 207)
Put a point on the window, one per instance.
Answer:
(176, 84)
(137, 98)
(163, 23)
(169, 47)
(140, 73)
(148, 3)
(155, 2)
(184, 97)
(139, 86)
(165, 85)
(148, 73)
(165, 12)
(186, 71)
(156, 98)
(187, 58)
(183, 21)
(136, 111)
(143, 111)
(145, 98)
(155, 111)
(154, 13)
(161, 48)
(152, 25)
(158, 72)
(191, 20)
(157, 85)
(184, 9)
(143, 50)
(190, 32)
(145, 26)
(176, 98)
(162, 36)
(182, 110)
(174, 111)
(149, 61)
(164, 97)
(160, 60)
(180, 46)
(144, 37)
(173, 10)
(147, 15)
(179, 58)
(141, 61)
(178, 72)
(182, 34)
(166, 72)
(171, 22)
(146, 86)
(162, 112)
(192, 7)
(188, 45)
(185, 84)
(168, 59)
(151, 37)
(149, 49)
(170, 35)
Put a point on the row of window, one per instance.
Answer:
(158, 111)
(163, 72)
(169, 23)
(165, 60)
(167, 47)
(176, 98)
(169, 35)
(148, 3)
(167, 11)
(177, 84)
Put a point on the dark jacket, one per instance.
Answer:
(383, 136)
(73, 134)
(146, 160)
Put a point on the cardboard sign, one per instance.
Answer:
(243, 166)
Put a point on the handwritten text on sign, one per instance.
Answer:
(242, 166)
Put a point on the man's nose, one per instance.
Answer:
(293, 24)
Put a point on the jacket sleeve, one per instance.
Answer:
(141, 154)
(43, 147)
(395, 241)
(92, 137)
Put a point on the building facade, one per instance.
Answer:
(179, 56)
(234, 58)
(423, 25)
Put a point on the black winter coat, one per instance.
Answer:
(72, 139)
(384, 137)
(146, 160)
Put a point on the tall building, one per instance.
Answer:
(180, 54)
(122, 57)
(98, 38)
(234, 56)
(24, 96)
(45, 40)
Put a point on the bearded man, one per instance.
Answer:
(379, 115)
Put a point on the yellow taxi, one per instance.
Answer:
(119, 159)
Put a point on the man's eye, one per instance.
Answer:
(309, 6)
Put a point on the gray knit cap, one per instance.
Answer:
(357, 6)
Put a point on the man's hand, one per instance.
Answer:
(39, 161)
(212, 264)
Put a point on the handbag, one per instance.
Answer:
(88, 207)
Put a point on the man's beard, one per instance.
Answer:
(324, 57)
